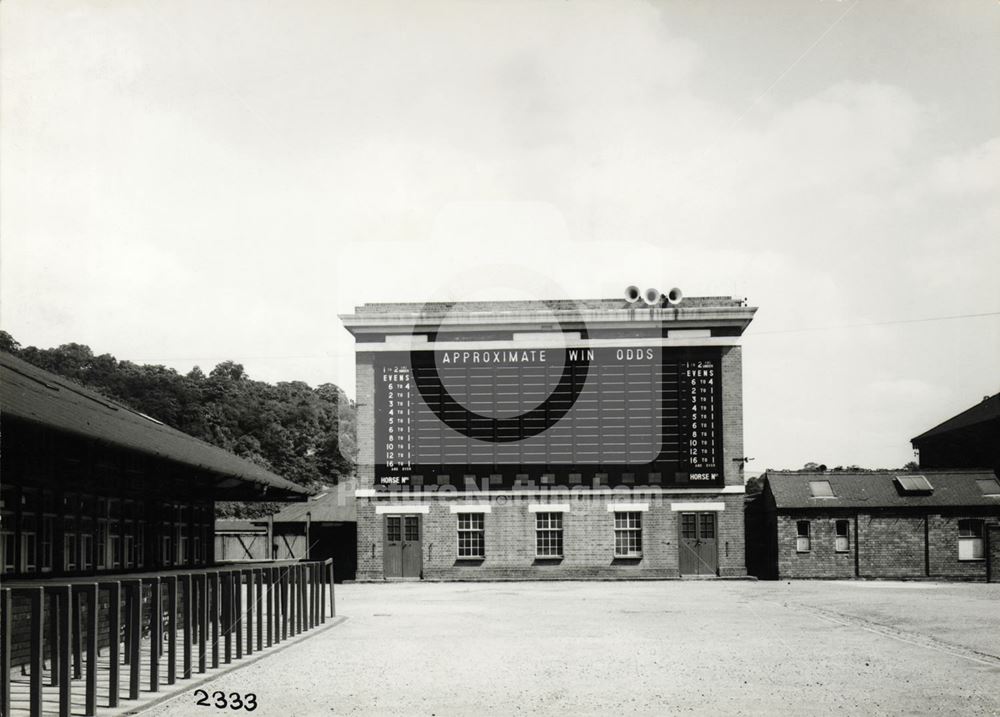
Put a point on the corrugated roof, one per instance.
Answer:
(880, 490)
(336, 505)
(31, 394)
(986, 410)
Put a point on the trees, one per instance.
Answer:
(304, 434)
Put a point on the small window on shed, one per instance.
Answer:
(821, 489)
(989, 486)
(802, 542)
(970, 539)
(843, 536)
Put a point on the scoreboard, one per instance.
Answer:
(604, 416)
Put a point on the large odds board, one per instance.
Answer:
(514, 417)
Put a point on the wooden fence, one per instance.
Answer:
(208, 616)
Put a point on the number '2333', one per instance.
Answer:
(219, 700)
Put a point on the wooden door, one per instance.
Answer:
(392, 547)
(412, 549)
(698, 550)
(402, 549)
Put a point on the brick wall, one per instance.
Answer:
(732, 415)
(365, 378)
(822, 560)
(943, 550)
(588, 539)
(993, 553)
(885, 545)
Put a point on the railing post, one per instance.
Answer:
(284, 604)
(307, 595)
(188, 626)
(114, 637)
(249, 610)
(310, 598)
(155, 634)
(271, 602)
(214, 614)
(133, 598)
(260, 609)
(37, 655)
(321, 568)
(317, 591)
(238, 612)
(54, 598)
(172, 629)
(202, 622)
(333, 602)
(127, 625)
(227, 614)
(300, 607)
(65, 648)
(292, 598)
(6, 621)
(77, 599)
(93, 605)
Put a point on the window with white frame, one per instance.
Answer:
(843, 539)
(7, 556)
(803, 544)
(70, 549)
(548, 535)
(970, 539)
(471, 535)
(628, 534)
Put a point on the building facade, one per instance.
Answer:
(106, 536)
(970, 439)
(939, 524)
(551, 439)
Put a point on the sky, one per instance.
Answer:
(189, 182)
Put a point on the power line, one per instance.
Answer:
(878, 323)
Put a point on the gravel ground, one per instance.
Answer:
(638, 648)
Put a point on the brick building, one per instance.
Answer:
(940, 524)
(969, 440)
(551, 439)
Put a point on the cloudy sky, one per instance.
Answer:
(186, 182)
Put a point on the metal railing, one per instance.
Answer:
(212, 616)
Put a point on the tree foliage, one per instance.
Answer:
(304, 434)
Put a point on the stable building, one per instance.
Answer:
(106, 535)
(550, 439)
(932, 524)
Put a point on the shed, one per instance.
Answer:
(932, 524)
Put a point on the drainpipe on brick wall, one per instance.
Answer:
(857, 548)
(927, 545)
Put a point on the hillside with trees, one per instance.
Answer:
(304, 434)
